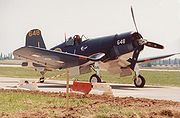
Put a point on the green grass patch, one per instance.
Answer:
(21, 101)
(23, 72)
(164, 78)
(18, 103)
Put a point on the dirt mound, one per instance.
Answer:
(123, 107)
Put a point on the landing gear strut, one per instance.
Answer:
(139, 80)
(95, 77)
(41, 80)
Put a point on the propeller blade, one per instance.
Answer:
(154, 45)
(149, 44)
(134, 19)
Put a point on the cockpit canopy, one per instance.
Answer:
(76, 40)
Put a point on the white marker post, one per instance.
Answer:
(67, 90)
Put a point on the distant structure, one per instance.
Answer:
(163, 63)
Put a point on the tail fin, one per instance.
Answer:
(34, 38)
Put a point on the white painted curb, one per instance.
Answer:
(102, 89)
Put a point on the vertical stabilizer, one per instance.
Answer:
(34, 38)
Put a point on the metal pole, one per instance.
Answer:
(67, 90)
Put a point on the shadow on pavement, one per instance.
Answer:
(131, 87)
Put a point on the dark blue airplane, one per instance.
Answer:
(116, 53)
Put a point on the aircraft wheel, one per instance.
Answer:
(139, 82)
(41, 80)
(95, 78)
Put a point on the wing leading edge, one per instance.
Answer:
(155, 58)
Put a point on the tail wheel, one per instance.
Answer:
(41, 80)
(139, 81)
(95, 78)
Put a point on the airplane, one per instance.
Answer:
(116, 53)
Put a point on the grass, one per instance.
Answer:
(23, 72)
(13, 102)
(16, 103)
(162, 78)
(152, 77)
(19, 101)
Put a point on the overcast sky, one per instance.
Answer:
(157, 20)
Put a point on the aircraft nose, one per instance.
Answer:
(137, 35)
(136, 38)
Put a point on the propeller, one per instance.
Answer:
(134, 19)
(145, 42)
(154, 45)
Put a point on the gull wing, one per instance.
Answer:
(53, 59)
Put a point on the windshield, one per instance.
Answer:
(70, 41)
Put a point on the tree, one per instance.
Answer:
(1, 56)
(149, 65)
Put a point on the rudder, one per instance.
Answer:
(34, 38)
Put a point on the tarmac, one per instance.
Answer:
(118, 90)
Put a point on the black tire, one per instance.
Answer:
(140, 83)
(95, 78)
(41, 80)
(26, 81)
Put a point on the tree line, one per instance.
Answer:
(8, 56)
(163, 62)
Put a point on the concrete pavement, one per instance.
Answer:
(121, 90)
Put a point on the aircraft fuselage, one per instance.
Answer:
(113, 46)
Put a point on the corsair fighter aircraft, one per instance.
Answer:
(116, 53)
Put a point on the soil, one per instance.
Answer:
(165, 109)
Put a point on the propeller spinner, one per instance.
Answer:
(145, 42)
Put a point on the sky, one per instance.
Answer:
(157, 21)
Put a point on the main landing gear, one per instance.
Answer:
(95, 77)
(139, 80)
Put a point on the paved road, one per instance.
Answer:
(6, 65)
(152, 92)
